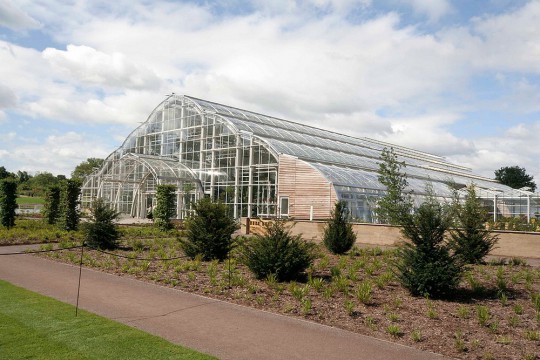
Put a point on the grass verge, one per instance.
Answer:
(37, 327)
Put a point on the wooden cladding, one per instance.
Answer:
(305, 187)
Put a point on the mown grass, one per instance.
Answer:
(21, 200)
(37, 327)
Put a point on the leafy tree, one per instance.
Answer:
(425, 266)
(38, 184)
(70, 216)
(209, 231)
(277, 252)
(51, 209)
(516, 177)
(86, 168)
(339, 236)
(101, 230)
(396, 203)
(22, 176)
(8, 202)
(165, 209)
(470, 240)
(4, 174)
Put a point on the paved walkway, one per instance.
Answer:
(224, 330)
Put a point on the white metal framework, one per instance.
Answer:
(232, 155)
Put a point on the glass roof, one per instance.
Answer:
(343, 159)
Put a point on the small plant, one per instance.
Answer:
(504, 339)
(459, 342)
(483, 315)
(370, 322)
(494, 327)
(306, 306)
(394, 330)
(339, 236)
(517, 261)
(532, 335)
(416, 336)
(349, 307)
(278, 252)
(518, 309)
(393, 317)
(501, 283)
(431, 312)
(363, 292)
(209, 231)
(536, 301)
(513, 321)
(463, 312)
(504, 299)
(317, 283)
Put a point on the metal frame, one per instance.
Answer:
(232, 155)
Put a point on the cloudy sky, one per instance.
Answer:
(458, 78)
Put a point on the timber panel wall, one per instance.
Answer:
(305, 187)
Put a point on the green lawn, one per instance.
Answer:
(30, 200)
(33, 326)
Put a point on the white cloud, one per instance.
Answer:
(375, 77)
(433, 9)
(58, 154)
(88, 65)
(7, 97)
(14, 18)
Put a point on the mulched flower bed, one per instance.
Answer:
(495, 314)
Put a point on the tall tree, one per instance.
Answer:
(86, 168)
(516, 177)
(396, 203)
(51, 209)
(165, 208)
(70, 217)
(5, 174)
(8, 202)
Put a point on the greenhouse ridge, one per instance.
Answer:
(262, 166)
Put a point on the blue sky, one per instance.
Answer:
(459, 79)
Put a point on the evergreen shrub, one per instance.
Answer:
(339, 236)
(470, 241)
(209, 231)
(277, 253)
(101, 231)
(425, 266)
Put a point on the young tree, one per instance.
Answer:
(339, 236)
(86, 168)
(101, 230)
(277, 252)
(470, 240)
(516, 177)
(425, 266)
(70, 216)
(51, 208)
(396, 203)
(8, 202)
(165, 209)
(209, 231)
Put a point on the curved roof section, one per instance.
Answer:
(342, 159)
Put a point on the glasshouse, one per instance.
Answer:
(261, 166)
